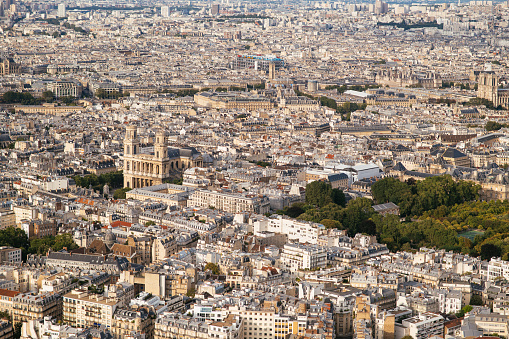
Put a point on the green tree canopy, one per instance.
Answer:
(328, 223)
(415, 198)
(213, 268)
(120, 193)
(113, 179)
(489, 251)
(320, 193)
(494, 126)
(56, 243)
(14, 237)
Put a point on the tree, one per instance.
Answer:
(294, 211)
(23, 98)
(493, 126)
(476, 300)
(213, 268)
(68, 100)
(48, 96)
(113, 179)
(467, 308)
(464, 310)
(17, 330)
(389, 190)
(489, 251)
(338, 197)
(318, 193)
(14, 237)
(101, 93)
(120, 193)
(56, 243)
(356, 216)
(328, 223)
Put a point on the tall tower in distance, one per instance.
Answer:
(161, 145)
(272, 71)
(131, 148)
(165, 11)
(214, 10)
(61, 11)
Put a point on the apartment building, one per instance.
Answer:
(143, 246)
(299, 103)
(10, 255)
(163, 247)
(257, 323)
(6, 330)
(6, 300)
(39, 228)
(182, 285)
(297, 257)
(497, 268)
(190, 225)
(7, 218)
(257, 62)
(47, 108)
(423, 326)
(23, 212)
(337, 180)
(230, 202)
(296, 230)
(87, 261)
(232, 327)
(493, 323)
(84, 309)
(60, 283)
(176, 325)
(30, 306)
(128, 322)
(286, 324)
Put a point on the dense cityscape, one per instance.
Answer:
(254, 170)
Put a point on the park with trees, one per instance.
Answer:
(436, 212)
(113, 179)
(16, 237)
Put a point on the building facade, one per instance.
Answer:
(148, 169)
(8, 66)
(28, 306)
(229, 202)
(487, 88)
(64, 88)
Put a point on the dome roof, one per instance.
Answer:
(109, 238)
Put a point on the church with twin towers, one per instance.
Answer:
(154, 165)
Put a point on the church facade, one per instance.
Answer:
(487, 88)
(155, 167)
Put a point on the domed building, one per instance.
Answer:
(110, 239)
